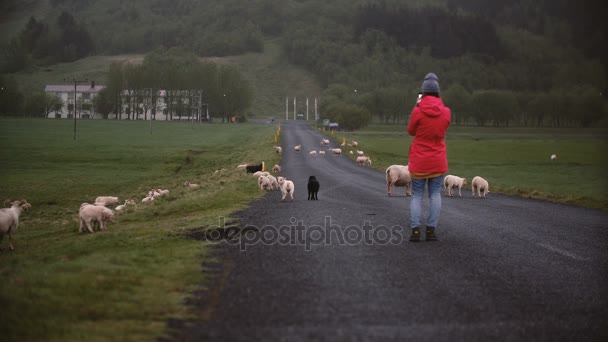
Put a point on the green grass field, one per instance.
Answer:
(513, 160)
(123, 283)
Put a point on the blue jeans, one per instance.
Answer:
(418, 185)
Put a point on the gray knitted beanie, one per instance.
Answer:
(430, 84)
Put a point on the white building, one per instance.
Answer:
(84, 100)
(190, 103)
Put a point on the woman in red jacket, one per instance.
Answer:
(427, 157)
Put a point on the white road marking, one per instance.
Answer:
(561, 252)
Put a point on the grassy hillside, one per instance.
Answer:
(271, 77)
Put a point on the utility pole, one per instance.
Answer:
(75, 81)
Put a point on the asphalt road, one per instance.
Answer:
(505, 268)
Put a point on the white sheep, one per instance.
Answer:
(287, 187)
(9, 219)
(481, 185)
(91, 214)
(106, 200)
(336, 151)
(324, 142)
(162, 192)
(321, 153)
(147, 199)
(192, 185)
(278, 149)
(363, 160)
(276, 168)
(553, 156)
(312, 153)
(354, 144)
(122, 206)
(274, 183)
(451, 182)
(264, 183)
(297, 148)
(360, 153)
(398, 175)
(261, 173)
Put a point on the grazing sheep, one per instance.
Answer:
(147, 199)
(350, 152)
(287, 187)
(276, 168)
(106, 200)
(9, 219)
(91, 214)
(321, 153)
(399, 175)
(255, 168)
(336, 151)
(354, 144)
(133, 200)
(324, 142)
(192, 185)
(481, 185)
(363, 160)
(360, 153)
(452, 182)
(297, 148)
(312, 153)
(553, 156)
(278, 149)
(162, 192)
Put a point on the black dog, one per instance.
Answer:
(313, 188)
(254, 168)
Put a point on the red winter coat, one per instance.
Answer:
(429, 122)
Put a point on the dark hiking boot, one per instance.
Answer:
(415, 237)
(430, 234)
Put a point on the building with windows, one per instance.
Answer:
(84, 94)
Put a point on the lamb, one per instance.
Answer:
(336, 151)
(360, 153)
(287, 187)
(451, 182)
(553, 156)
(312, 153)
(90, 214)
(264, 183)
(354, 143)
(324, 142)
(278, 149)
(399, 175)
(147, 199)
(106, 200)
(162, 192)
(481, 185)
(191, 185)
(276, 168)
(274, 183)
(321, 153)
(122, 206)
(9, 219)
(363, 160)
(261, 173)
(298, 148)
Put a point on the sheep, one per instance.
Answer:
(122, 206)
(451, 182)
(297, 148)
(132, 201)
(321, 153)
(261, 173)
(89, 214)
(9, 219)
(153, 193)
(264, 183)
(274, 183)
(278, 149)
(192, 185)
(363, 160)
(350, 152)
(255, 168)
(106, 200)
(336, 151)
(324, 142)
(162, 192)
(481, 185)
(312, 153)
(147, 199)
(354, 144)
(360, 153)
(553, 156)
(276, 168)
(287, 187)
(399, 175)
